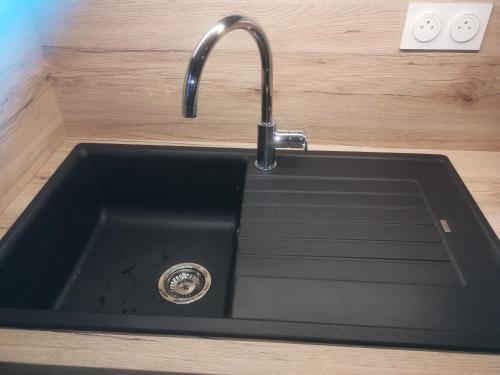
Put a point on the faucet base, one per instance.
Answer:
(264, 167)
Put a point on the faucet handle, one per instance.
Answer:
(270, 139)
(290, 139)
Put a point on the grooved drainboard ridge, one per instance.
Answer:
(339, 214)
(449, 283)
(339, 199)
(342, 248)
(305, 191)
(267, 177)
(332, 185)
(246, 220)
(341, 258)
(341, 231)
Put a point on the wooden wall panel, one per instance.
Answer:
(30, 121)
(118, 68)
(331, 26)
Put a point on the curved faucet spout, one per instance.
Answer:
(269, 139)
(200, 55)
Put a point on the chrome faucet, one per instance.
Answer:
(269, 138)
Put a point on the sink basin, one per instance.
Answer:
(113, 219)
(385, 249)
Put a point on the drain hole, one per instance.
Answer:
(184, 283)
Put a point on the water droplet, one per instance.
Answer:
(102, 301)
(128, 270)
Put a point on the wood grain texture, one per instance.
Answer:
(30, 121)
(226, 356)
(118, 67)
(341, 26)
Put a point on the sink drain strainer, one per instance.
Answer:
(184, 283)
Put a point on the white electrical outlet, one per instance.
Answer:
(464, 28)
(426, 27)
(445, 26)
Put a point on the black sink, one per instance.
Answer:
(113, 219)
(365, 248)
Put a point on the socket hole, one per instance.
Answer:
(466, 22)
(428, 22)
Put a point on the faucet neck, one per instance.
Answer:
(205, 46)
(269, 139)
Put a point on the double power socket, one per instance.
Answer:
(445, 26)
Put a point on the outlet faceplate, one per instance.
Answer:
(457, 26)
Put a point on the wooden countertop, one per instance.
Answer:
(478, 169)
